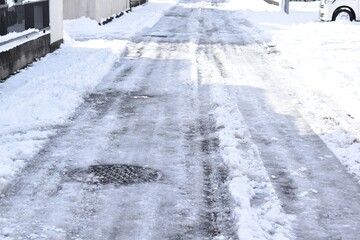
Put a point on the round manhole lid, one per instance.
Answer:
(122, 174)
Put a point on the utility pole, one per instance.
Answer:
(284, 5)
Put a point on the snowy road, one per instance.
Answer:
(309, 180)
(156, 118)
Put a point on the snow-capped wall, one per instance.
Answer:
(20, 48)
(98, 10)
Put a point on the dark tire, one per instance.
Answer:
(343, 15)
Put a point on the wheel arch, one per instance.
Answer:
(343, 8)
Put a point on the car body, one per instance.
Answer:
(332, 10)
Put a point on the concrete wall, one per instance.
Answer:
(98, 10)
(20, 56)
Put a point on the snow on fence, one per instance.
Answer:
(99, 10)
(21, 17)
(25, 32)
(135, 3)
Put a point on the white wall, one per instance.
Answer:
(98, 10)
(76, 8)
(56, 20)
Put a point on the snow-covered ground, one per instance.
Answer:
(45, 94)
(324, 76)
(325, 80)
(315, 62)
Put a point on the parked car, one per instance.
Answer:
(333, 10)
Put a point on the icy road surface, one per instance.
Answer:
(203, 141)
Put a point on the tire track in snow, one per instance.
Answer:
(257, 207)
(309, 180)
(36, 189)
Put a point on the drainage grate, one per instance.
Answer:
(121, 174)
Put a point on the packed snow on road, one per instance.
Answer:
(213, 119)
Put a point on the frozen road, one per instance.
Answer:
(154, 124)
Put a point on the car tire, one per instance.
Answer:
(343, 15)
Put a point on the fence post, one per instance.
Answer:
(284, 5)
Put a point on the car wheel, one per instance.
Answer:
(343, 15)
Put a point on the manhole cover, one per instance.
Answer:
(122, 174)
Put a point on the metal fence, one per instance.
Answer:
(135, 3)
(25, 16)
(276, 2)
